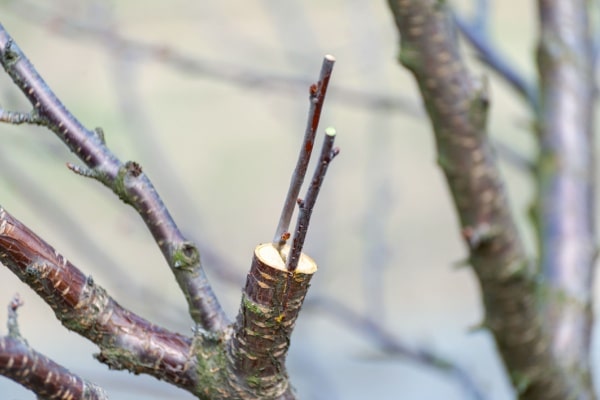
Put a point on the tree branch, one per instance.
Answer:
(328, 153)
(565, 171)
(242, 364)
(38, 373)
(477, 35)
(177, 60)
(126, 340)
(125, 179)
(457, 106)
(271, 302)
(317, 94)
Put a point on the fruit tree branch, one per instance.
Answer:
(127, 180)
(317, 94)
(36, 372)
(457, 106)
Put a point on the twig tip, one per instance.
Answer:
(330, 131)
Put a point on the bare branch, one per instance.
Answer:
(126, 340)
(207, 365)
(17, 117)
(36, 372)
(177, 60)
(457, 106)
(125, 179)
(477, 35)
(306, 206)
(317, 97)
(565, 208)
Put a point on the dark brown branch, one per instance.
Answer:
(38, 373)
(271, 303)
(317, 94)
(210, 365)
(566, 179)
(126, 179)
(306, 206)
(49, 209)
(457, 106)
(126, 341)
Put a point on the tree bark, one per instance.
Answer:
(457, 103)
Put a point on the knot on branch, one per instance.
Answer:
(10, 54)
(185, 255)
(130, 170)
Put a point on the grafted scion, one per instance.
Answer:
(317, 94)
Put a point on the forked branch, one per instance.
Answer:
(36, 372)
(317, 94)
(243, 361)
(127, 180)
(126, 340)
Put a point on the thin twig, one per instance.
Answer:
(52, 211)
(125, 179)
(328, 152)
(12, 322)
(317, 97)
(477, 35)
(224, 72)
(17, 117)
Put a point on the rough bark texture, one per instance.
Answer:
(48, 379)
(245, 361)
(126, 341)
(565, 207)
(457, 106)
(270, 305)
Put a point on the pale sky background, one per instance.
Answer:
(220, 141)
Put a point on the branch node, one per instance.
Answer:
(132, 167)
(10, 56)
(185, 255)
(129, 169)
